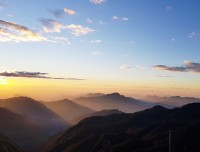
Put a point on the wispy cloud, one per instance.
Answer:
(124, 19)
(25, 74)
(163, 76)
(101, 22)
(187, 66)
(120, 19)
(97, 53)
(192, 35)
(50, 26)
(96, 41)
(61, 12)
(12, 32)
(79, 30)
(3, 5)
(97, 1)
(126, 67)
(69, 11)
(115, 17)
(89, 20)
(60, 40)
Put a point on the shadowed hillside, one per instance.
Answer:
(98, 113)
(146, 131)
(24, 131)
(67, 109)
(7, 146)
(29, 122)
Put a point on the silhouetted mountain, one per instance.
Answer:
(31, 123)
(94, 95)
(99, 113)
(146, 131)
(7, 146)
(37, 111)
(173, 101)
(22, 130)
(113, 101)
(67, 109)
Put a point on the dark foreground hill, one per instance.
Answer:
(146, 131)
(7, 146)
(98, 113)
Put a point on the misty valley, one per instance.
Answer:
(100, 123)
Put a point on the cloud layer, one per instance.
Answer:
(12, 32)
(186, 67)
(24, 74)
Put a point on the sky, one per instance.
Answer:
(54, 49)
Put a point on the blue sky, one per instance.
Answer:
(141, 43)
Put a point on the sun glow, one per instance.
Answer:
(3, 81)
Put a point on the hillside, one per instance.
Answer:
(7, 146)
(172, 101)
(37, 111)
(24, 131)
(146, 131)
(98, 113)
(67, 109)
(113, 101)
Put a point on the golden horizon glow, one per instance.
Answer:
(3, 81)
(49, 90)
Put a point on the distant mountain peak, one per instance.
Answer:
(115, 94)
(21, 98)
(94, 94)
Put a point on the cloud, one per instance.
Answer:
(50, 26)
(3, 5)
(101, 22)
(95, 41)
(79, 30)
(186, 67)
(12, 32)
(115, 18)
(126, 67)
(69, 11)
(120, 19)
(89, 20)
(61, 12)
(24, 74)
(97, 1)
(96, 53)
(125, 19)
(192, 35)
(60, 40)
